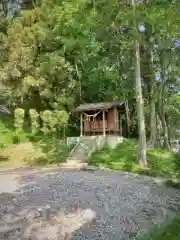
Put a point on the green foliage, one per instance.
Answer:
(41, 48)
(19, 119)
(168, 231)
(56, 54)
(59, 53)
(164, 163)
(53, 120)
(8, 136)
(54, 151)
(160, 162)
(34, 116)
(24, 149)
(15, 138)
(123, 157)
(35, 153)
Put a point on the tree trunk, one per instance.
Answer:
(140, 112)
(158, 130)
(139, 99)
(161, 105)
(169, 130)
(3, 7)
(147, 67)
(164, 129)
(152, 100)
(152, 123)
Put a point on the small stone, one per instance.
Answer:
(47, 213)
(88, 215)
(39, 212)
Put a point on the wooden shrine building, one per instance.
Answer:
(101, 118)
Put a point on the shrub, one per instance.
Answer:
(53, 121)
(19, 119)
(160, 162)
(34, 116)
(32, 154)
(20, 148)
(168, 231)
(17, 155)
(55, 150)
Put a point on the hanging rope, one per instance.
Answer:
(92, 115)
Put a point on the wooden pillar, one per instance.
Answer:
(81, 125)
(115, 120)
(104, 127)
(120, 125)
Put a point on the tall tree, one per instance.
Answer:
(139, 97)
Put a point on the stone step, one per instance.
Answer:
(81, 152)
(73, 165)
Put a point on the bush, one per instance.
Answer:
(33, 154)
(21, 148)
(19, 119)
(168, 231)
(55, 150)
(16, 138)
(8, 136)
(34, 116)
(17, 155)
(160, 162)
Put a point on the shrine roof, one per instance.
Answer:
(99, 106)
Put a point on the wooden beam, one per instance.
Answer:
(81, 125)
(104, 129)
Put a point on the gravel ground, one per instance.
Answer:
(79, 205)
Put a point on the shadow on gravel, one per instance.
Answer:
(37, 221)
(52, 204)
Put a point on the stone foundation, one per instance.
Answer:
(111, 141)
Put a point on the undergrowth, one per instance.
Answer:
(167, 231)
(161, 162)
(25, 149)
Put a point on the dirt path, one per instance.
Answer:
(56, 204)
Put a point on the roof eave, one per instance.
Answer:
(96, 108)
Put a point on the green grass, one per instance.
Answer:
(160, 162)
(168, 231)
(41, 153)
(25, 149)
(8, 136)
